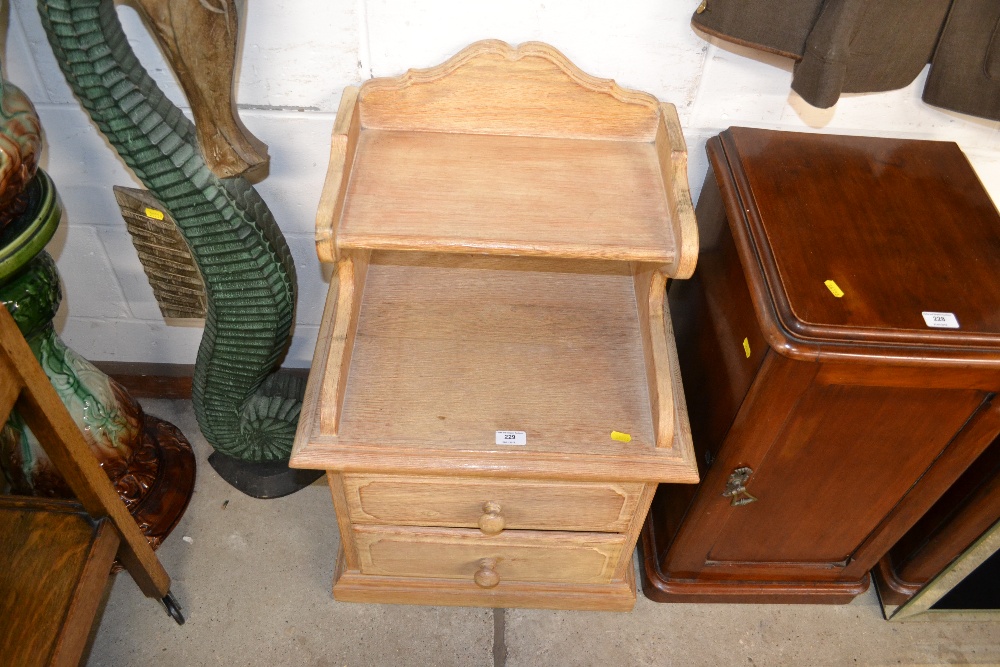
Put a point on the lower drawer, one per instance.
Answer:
(438, 553)
(491, 504)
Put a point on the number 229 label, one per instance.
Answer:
(512, 438)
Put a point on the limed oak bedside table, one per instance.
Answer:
(495, 392)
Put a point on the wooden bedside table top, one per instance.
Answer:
(512, 152)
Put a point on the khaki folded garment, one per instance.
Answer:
(860, 46)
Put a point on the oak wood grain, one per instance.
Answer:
(491, 87)
(634, 529)
(508, 151)
(618, 595)
(457, 351)
(310, 418)
(551, 347)
(650, 293)
(343, 147)
(351, 275)
(683, 440)
(522, 218)
(671, 152)
(442, 553)
(10, 389)
(459, 502)
(509, 195)
(87, 597)
(56, 561)
(342, 507)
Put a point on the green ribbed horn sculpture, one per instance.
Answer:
(244, 410)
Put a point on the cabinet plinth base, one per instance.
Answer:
(661, 587)
(891, 589)
(352, 586)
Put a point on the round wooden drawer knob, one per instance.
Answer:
(486, 575)
(491, 522)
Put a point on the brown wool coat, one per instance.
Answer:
(854, 46)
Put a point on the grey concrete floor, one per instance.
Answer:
(254, 578)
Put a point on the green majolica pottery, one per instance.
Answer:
(148, 460)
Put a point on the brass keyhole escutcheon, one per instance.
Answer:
(736, 489)
(486, 575)
(492, 521)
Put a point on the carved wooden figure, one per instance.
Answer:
(246, 411)
(199, 39)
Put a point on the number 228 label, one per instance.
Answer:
(941, 320)
(512, 438)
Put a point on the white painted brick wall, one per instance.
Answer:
(297, 57)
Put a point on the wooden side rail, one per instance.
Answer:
(351, 274)
(343, 146)
(672, 153)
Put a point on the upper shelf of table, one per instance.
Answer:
(508, 151)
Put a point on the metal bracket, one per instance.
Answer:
(736, 488)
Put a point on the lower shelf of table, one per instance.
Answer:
(352, 586)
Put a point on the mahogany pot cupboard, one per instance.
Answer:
(840, 348)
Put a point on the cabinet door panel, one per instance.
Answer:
(843, 460)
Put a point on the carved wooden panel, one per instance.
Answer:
(493, 88)
(165, 255)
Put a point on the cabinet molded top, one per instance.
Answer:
(853, 242)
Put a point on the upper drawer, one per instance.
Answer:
(491, 504)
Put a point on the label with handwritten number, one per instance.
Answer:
(834, 288)
(941, 320)
(154, 214)
(746, 347)
(512, 438)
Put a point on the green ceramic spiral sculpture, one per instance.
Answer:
(244, 410)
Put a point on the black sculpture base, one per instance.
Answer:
(265, 480)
